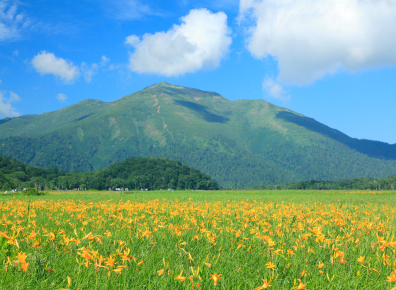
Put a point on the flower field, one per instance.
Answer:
(188, 241)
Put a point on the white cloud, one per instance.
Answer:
(6, 108)
(104, 60)
(12, 23)
(61, 97)
(201, 41)
(15, 52)
(132, 40)
(89, 71)
(129, 9)
(311, 38)
(275, 90)
(48, 63)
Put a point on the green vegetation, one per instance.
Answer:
(237, 240)
(347, 184)
(133, 173)
(239, 144)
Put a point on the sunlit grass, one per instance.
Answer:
(198, 240)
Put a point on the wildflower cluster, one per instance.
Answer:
(167, 244)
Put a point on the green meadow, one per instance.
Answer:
(198, 240)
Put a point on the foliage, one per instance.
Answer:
(33, 192)
(240, 143)
(134, 173)
(162, 240)
(347, 184)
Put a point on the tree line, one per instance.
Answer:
(134, 173)
(346, 184)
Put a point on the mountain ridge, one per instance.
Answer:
(236, 142)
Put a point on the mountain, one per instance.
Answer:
(238, 143)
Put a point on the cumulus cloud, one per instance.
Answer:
(48, 63)
(6, 107)
(61, 97)
(275, 90)
(200, 41)
(12, 23)
(311, 38)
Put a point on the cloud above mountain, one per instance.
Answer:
(61, 97)
(275, 90)
(200, 41)
(311, 39)
(6, 106)
(48, 63)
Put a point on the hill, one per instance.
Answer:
(134, 173)
(238, 143)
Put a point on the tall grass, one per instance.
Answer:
(198, 240)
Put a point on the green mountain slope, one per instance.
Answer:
(236, 142)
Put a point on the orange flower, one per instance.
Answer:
(86, 255)
(125, 258)
(392, 277)
(24, 266)
(89, 236)
(270, 265)
(22, 257)
(110, 261)
(160, 272)
(342, 260)
(320, 265)
(147, 233)
(215, 278)
(50, 236)
(265, 285)
(5, 236)
(301, 286)
(119, 269)
(361, 259)
(180, 277)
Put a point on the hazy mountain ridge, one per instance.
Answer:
(236, 142)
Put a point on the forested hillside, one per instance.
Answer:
(347, 184)
(238, 143)
(133, 173)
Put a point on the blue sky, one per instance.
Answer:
(331, 60)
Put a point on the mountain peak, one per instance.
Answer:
(161, 84)
(171, 89)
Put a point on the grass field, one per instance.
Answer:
(198, 240)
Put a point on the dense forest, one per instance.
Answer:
(133, 173)
(347, 184)
(154, 174)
